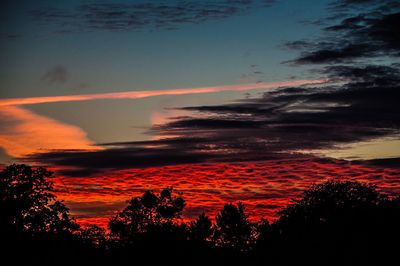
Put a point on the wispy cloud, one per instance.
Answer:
(152, 93)
(56, 74)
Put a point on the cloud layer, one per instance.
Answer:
(26, 133)
(264, 187)
(280, 123)
(361, 31)
(362, 105)
(165, 15)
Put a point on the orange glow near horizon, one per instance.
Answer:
(264, 187)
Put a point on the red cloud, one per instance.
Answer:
(264, 187)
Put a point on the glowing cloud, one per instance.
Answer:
(25, 132)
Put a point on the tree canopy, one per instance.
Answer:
(27, 202)
(146, 212)
(233, 229)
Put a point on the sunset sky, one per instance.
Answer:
(230, 100)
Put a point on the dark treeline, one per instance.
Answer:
(333, 223)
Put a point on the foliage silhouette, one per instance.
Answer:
(93, 235)
(146, 212)
(27, 203)
(32, 221)
(333, 223)
(233, 229)
(201, 229)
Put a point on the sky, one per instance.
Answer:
(106, 92)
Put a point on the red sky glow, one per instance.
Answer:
(264, 187)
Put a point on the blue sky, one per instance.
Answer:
(72, 48)
(213, 52)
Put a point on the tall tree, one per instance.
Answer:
(201, 229)
(145, 212)
(27, 203)
(233, 229)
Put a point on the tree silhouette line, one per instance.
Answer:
(332, 223)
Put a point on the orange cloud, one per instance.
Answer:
(24, 132)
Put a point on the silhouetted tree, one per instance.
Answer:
(33, 223)
(233, 229)
(263, 231)
(93, 235)
(336, 222)
(148, 227)
(27, 203)
(333, 223)
(330, 204)
(331, 198)
(145, 212)
(201, 229)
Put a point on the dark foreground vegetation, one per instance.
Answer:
(333, 223)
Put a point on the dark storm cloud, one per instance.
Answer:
(357, 36)
(384, 162)
(335, 55)
(367, 75)
(357, 4)
(299, 118)
(86, 163)
(173, 151)
(9, 36)
(56, 74)
(154, 15)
